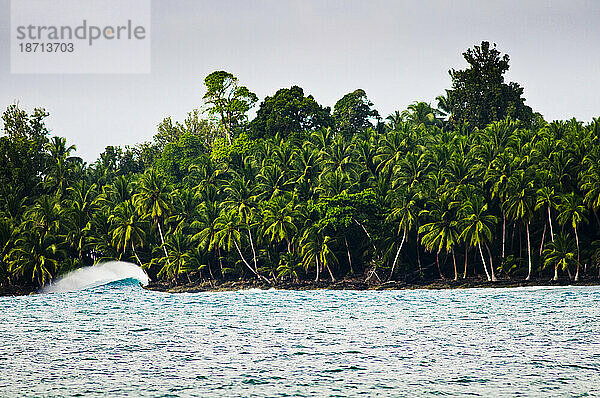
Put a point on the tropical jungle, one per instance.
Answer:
(476, 186)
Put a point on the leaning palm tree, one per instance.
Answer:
(403, 216)
(477, 224)
(573, 212)
(228, 236)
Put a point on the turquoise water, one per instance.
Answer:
(120, 340)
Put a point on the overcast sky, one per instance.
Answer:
(397, 51)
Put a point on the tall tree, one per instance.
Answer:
(289, 111)
(228, 100)
(573, 212)
(479, 94)
(354, 113)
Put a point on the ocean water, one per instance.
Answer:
(120, 340)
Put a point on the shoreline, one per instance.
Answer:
(355, 284)
(345, 284)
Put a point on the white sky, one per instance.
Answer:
(397, 51)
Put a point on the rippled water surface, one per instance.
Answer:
(120, 340)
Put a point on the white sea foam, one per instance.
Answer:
(97, 275)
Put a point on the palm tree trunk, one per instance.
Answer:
(577, 242)
(318, 268)
(503, 232)
(253, 251)
(397, 254)
(368, 235)
(220, 262)
(454, 263)
(419, 255)
(466, 260)
(550, 222)
(162, 239)
(491, 263)
(349, 256)
(330, 273)
(543, 237)
(248, 264)
(210, 268)
(528, 254)
(484, 264)
(135, 253)
(437, 262)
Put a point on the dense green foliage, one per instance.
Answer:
(299, 193)
(479, 94)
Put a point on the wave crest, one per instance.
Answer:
(97, 275)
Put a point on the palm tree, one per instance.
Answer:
(548, 199)
(36, 257)
(176, 262)
(394, 120)
(559, 253)
(477, 224)
(207, 230)
(422, 113)
(338, 158)
(290, 264)
(441, 232)
(154, 201)
(45, 215)
(60, 168)
(519, 206)
(278, 221)
(228, 236)
(316, 250)
(573, 212)
(403, 214)
(127, 229)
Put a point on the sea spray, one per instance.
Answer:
(96, 275)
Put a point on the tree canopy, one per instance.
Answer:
(289, 111)
(479, 94)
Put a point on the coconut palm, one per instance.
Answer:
(520, 206)
(153, 201)
(127, 229)
(441, 232)
(316, 251)
(278, 221)
(227, 236)
(35, 257)
(573, 212)
(60, 172)
(178, 248)
(559, 253)
(403, 216)
(548, 199)
(477, 224)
